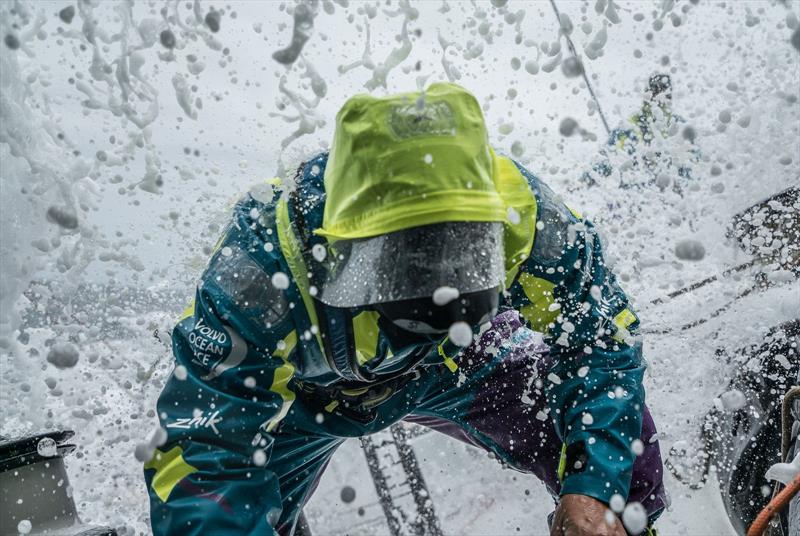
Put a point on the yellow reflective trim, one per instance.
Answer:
(365, 329)
(281, 378)
(448, 361)
(540, 293)
(562, 462)
(170, 468)
(218, 244)
(355, 392)
(332, 406)
(289, 342)
(387, 392)
(574, 212)
(290, 248)
(622, 321)
(510, 275)
(188, 312)
(622, 140)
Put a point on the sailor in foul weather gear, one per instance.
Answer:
(635, 155)
(403, 276)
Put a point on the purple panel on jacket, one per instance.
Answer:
(511, 411)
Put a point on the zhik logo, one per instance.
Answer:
(199, 421)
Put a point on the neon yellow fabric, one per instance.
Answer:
(188, 312)
(562, 462)
(355, 392)
(374, 401)
(449, 362)
(290, 247)
(409, 160)
(281, 378)
(575, 212)
(622, 321)
(540, 313)
(622, 139)
(520, 225)
(170, 468)
(365, 331)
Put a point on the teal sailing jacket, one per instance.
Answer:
(254, 336)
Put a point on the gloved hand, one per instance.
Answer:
(581, 515)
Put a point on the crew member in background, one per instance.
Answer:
(403, 276)
(639, 152)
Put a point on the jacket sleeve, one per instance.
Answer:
(230, 389)
(595, 394)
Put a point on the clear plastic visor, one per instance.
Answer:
(414, 263)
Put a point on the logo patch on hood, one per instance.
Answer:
(433, 119)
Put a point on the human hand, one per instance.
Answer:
(581, 515)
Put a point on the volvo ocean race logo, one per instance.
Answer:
(216, 350)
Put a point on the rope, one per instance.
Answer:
(786, 431)
(786, 421)
(709, 448)
(774, 507)
(702, 321)
(704, 282)
(583, 70)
